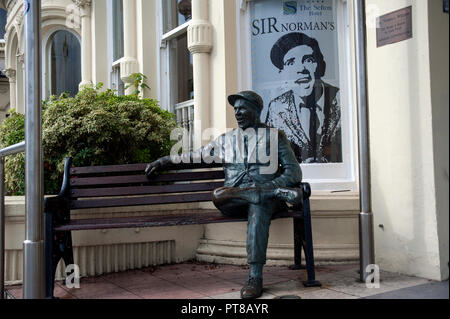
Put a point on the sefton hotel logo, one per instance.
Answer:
(289, 7)
(313, 7)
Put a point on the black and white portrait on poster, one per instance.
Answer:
(295, 69)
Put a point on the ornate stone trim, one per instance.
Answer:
(199, 36)
(128, 66)
(19, 18)
(82, 3)
(84, 6)
(10, 74)
(10, 4)
(20, 58)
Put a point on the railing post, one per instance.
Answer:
(11, 150)
(33, 246)
(2, 227)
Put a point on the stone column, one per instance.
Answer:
(86, 42)
(11, 74)
(200, 45)
(20, 83)
(129, 63)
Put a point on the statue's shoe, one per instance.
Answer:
(292, 196)
(252, 289)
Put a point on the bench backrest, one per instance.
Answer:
(127, 185)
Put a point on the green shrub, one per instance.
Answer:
(94, 128)
(12, 131)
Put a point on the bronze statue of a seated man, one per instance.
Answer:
(261, 176)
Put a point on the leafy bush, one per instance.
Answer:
(94, 128)
(12, 131)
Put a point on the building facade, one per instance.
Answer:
(197, 52)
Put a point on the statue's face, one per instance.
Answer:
(246, 114)
(300, 68)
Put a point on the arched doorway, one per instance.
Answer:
(65, 63)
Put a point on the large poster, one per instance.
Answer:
(295, 69)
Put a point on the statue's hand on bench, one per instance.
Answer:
(157, 165)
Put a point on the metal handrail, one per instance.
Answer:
(11, 150)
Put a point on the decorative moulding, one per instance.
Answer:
(128, 66)
(199, 36)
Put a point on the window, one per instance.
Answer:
(177, 93)
(2, 23)
(115, 21)
(176, 60)
(65, 63)
(298, 59)
(117, 7)
(2, 41)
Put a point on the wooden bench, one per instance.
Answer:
(127, 185)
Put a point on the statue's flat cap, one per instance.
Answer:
(249, 96)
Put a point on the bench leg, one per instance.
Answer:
(309, 252)
(58, 245)
(299, 241)
(49, 262)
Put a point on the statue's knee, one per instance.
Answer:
(218, 194)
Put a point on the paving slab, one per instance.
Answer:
(192, 280)
(434, 290)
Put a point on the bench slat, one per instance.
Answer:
(206, 217)
(142, 179)
(137, 201)
(107, 169)
(89, 170)
(143, 190)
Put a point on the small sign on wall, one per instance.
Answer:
(394, 27)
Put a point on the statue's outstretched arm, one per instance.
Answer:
(201, 158)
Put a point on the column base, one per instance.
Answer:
(84, 84)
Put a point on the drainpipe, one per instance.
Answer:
(200, 45)
(33, 246)
(366, 242)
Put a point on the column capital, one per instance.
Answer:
(20, 58)
(10, 74)
(200, 36)
(84, 6)
(82, 3)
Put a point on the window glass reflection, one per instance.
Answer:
(2, 23)
(65, 58)
(181, 70)
(176, 13)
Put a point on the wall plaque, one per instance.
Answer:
(394, 27)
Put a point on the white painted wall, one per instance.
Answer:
(439, 67)
(403, 156)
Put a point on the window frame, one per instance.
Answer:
(46, 57)
(165, 75)
(324, 177)
(113, 64)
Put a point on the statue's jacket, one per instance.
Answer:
(259, 156)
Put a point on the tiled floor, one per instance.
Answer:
(198, 280)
